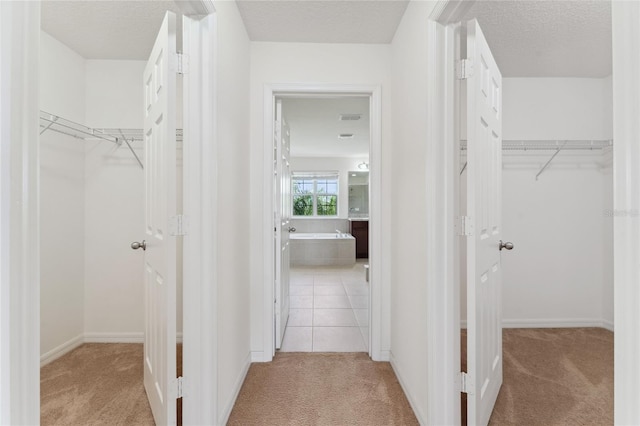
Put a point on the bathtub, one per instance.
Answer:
(322, 249)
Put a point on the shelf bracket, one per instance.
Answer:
(131, 148)
(550, 160)
(51, 123)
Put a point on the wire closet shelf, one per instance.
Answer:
(76, 130)
(555, 146)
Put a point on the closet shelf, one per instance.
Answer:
(58, 124)
(548, 145)
(551, 145)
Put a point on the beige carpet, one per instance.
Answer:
(557, 376)
(322, 389)
(95, 384)
(551, 377)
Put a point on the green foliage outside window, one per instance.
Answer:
(314, 196)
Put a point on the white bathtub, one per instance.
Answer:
(322, 249)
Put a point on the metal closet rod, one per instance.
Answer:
(551, 145)
(58, 124)
(61, 125)
(547, 145)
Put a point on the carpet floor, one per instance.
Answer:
(95, 384)
(551, 377)
(322, 389)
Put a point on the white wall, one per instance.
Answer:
(342, 165)
(233, 177)
(62, 76)
(114, 204)
(560, 272)
(409, 200)
(557, 108)
(312, 63)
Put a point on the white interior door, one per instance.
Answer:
(484, 203)
(282, 221)
(160, 255)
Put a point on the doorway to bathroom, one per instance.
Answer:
(325, 233)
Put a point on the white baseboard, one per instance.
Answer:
(552, 323)
(226, 409)
(608, 325)
(398, 372)
(60, 350)
(100, 337)
(383, 356)
(259, 356)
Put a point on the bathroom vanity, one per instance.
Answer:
(359, 228)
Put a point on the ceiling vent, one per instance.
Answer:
(345, 136)
(349, 117)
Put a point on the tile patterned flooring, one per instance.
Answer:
(329, 309)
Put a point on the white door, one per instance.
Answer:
(160, 203)
(484, 203)
(282, 221)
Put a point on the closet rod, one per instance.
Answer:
(61, 125)
(551, 145)
(74, 129)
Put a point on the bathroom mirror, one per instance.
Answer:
(359, 194)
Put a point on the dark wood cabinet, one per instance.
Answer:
(360, 231)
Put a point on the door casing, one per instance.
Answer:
(377, 303)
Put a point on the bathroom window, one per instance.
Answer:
(314, 194)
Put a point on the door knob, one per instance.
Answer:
(507, 245)
(292, 229)
(136, 245)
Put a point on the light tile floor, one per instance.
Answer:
(329, 310)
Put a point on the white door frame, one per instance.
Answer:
(443, 263)
(626, 204)
(200, 297)
(378, 304)
(443, 334)
(19, 214)
(19, 267)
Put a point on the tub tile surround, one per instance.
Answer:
(331, 312)
(316, 226)
(326, 249)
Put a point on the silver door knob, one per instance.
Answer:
(292, 229)
(136, 245)
(507, 245)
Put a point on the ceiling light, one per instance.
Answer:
(345, 136)
(349, 117)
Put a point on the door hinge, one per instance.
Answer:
(179, 387)
(182, 63)
(466, 385)
(464, 69)
(465, 226)
(178, 225)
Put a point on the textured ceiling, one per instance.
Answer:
(529, 38)
(315, 126)
(322, 21)
(106, 29)
(547, 38)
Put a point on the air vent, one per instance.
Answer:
(345, 136)
(349, 117)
